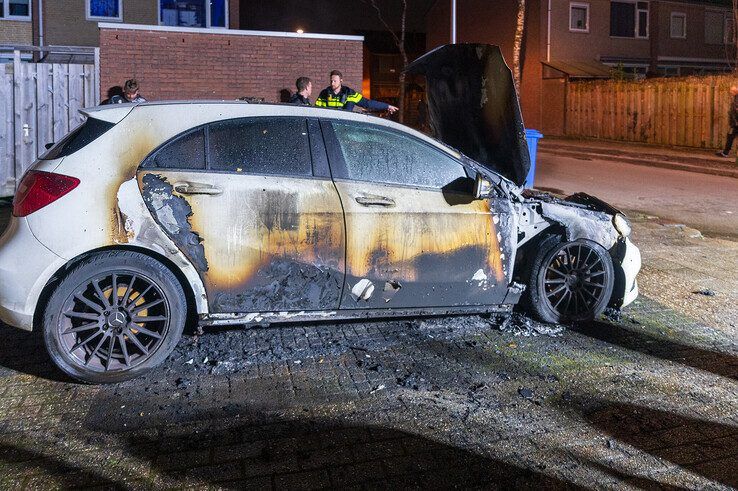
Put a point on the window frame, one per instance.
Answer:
(98, 18)
(675, 15)
(636, 19)
(729, 29)
(572, 6)
(208, 15)
(21, 18)
(721, 13)
(339, 168)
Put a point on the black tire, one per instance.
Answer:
(97, 337)
(569, 281)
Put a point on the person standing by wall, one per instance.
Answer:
(733, 121)
(339, 96)
(304, 89)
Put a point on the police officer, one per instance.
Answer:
(304, 89)
(338, 96)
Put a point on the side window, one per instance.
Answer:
(261, 146)
(379, 155)
(184, 152)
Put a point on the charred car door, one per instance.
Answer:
(416, 237)
(250, 202)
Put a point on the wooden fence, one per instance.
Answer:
(690, 112)
(39, 104)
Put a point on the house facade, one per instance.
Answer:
(567, 39)
(16, 22)
(65, 27)
(664, 38)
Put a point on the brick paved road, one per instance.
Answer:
(648, 401)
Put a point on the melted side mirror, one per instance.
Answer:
(482, 187)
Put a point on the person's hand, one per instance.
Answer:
(392, 109)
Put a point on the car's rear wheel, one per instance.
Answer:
(115, 315)
(570, 281)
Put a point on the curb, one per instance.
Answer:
(643, 161)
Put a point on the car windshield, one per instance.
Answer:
(79, 138)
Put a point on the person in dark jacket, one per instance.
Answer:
(338, 96)
(733, 121)
(304, 89)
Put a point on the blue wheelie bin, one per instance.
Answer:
(532, 137)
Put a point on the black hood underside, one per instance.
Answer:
(473, 106)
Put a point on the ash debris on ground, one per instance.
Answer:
(222, 351)
(518, 324)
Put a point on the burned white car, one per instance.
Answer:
(149, 216)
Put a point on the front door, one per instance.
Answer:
(416, 237)
(241, 200)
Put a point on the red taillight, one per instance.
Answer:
(38, 189)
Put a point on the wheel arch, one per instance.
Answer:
(193, 306)
(526, 253)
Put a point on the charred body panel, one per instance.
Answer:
(422, 251)
(473, 106)
(268, 243)
(172, 212)
(267, 318)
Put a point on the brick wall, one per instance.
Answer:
(192, 64)
(15, 32)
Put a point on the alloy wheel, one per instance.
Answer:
(575, 280)
(114, 322)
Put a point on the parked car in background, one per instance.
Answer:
(151, 215)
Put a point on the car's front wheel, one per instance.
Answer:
(114, 316)
(570, 281)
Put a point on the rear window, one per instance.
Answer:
(187, 151)
(78, 139)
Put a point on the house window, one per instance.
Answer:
(104, 9)
(678, 25)
(579, 17)
(193, 13)
(629, 19)
(729, 31)
(716, 27)
(15, 9)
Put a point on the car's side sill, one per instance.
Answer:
(262, 318)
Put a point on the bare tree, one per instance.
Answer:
(400, 42)
(518, 45)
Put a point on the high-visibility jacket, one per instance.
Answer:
(346, 99)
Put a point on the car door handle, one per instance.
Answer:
(372, 200)
(197, 188)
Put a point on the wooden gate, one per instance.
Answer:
(39, 104)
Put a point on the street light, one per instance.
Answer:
(300, 31)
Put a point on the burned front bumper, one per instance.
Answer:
(628, 258)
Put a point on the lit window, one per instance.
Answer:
(15, 9)
(579, 17)
(678, 25)
(104, 10)
(193, 13)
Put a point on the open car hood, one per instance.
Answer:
(473, 106)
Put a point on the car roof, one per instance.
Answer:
(233, 109)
